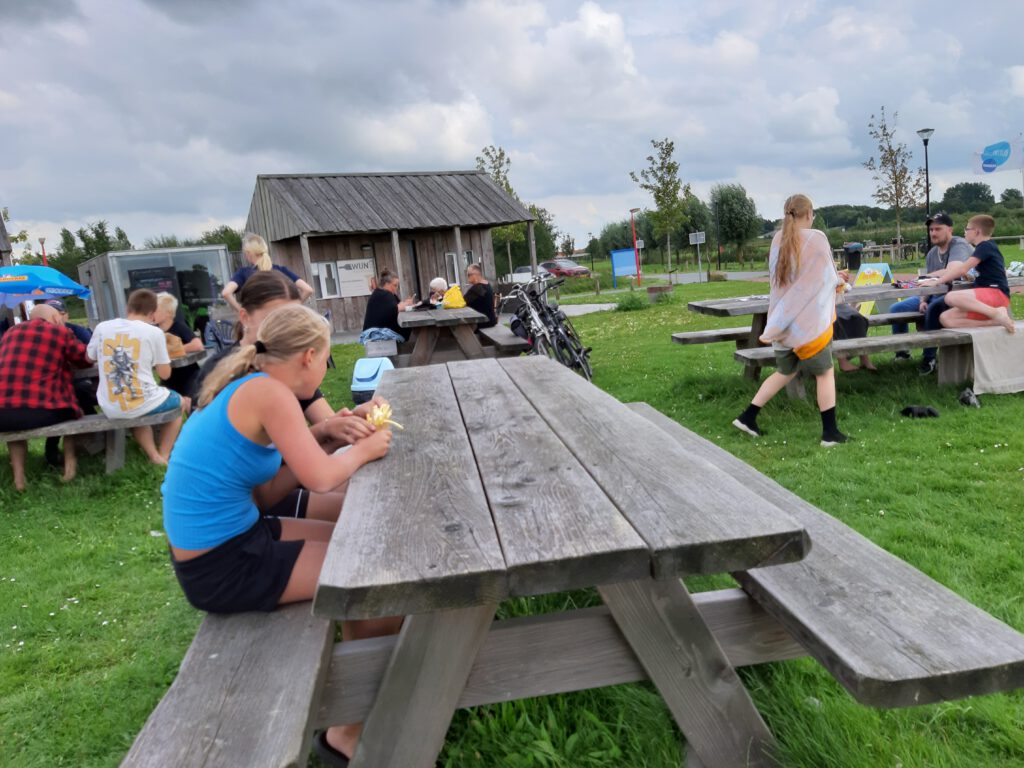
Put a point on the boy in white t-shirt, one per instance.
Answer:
(127, 350)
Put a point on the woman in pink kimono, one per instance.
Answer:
(801, 310)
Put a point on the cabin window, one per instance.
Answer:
(325, 279)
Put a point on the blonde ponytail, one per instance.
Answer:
(791, 243)
(284, 333)
(255, 244)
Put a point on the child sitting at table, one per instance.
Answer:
(226, 556)
(989, 301)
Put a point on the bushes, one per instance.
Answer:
(631, 302)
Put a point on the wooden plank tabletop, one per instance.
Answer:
(694, 517)
(415, 532)
(517, 477)
(758, 304)
(557, 527)
(426, 317)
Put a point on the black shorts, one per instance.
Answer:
(246, 573)
(18, 419)
(292, 505)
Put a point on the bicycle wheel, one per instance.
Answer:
(572, 354)
(580, 354)
(544, 347)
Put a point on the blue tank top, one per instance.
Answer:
(211, 475)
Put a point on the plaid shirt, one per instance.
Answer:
(36, 358)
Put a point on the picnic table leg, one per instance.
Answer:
(467, 341)
(425, 341)
(685, 662)
(758, 323)
(956, 364)
(421, 686)
(115, 449)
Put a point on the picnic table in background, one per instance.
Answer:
(441, 333)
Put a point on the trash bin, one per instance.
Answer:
(852, 253)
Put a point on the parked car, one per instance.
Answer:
(565, 268)
(525, 274)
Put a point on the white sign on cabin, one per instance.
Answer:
(696, 238)
(354, 276)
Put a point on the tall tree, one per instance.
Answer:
(567, 246)
(661, 179)
(968, 196)
(497, 164)
(1012, 198)
(93, 239)
(896, 185)
(736, 214)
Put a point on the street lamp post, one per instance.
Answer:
(636, 251)
(590, 240)
(925, 134)
(42, 245)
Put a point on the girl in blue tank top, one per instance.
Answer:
(250, 438)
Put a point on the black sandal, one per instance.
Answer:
(328, 755)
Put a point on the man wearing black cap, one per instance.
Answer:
(82, 333)
(946, 248)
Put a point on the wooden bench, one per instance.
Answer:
(741, 335)
(96, 422)
(504, 342)
(387, 348)
(954, 364)
(245, 693)
(892, 636)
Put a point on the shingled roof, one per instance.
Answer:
(288, 205)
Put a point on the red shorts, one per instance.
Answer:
(991, 296)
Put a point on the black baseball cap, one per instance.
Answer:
(940, 218)
(57, 304)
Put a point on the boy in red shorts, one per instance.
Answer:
(988, 302)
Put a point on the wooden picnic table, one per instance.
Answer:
(442, 330)
(188, 358)
(516, 477)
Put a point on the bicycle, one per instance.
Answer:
(547, 328)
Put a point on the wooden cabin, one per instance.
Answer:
(339, 231)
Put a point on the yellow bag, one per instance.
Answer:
(453, 298)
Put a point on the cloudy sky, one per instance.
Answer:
(157, 115)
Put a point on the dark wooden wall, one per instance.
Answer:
(430, 246)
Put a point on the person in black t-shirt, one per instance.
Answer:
(257, 254)
(988, 302)
(383, 306)
(182, 379)
(480, 295)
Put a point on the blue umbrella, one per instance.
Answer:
(30, 283)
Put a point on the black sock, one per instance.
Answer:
(828, 421)
(749, 416)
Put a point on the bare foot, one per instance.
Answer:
(867, 365)
(846, 366)
(157, 459)
(1004, 319)
(19, 481)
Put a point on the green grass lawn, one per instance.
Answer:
(93, 625)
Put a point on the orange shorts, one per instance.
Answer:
(991, 296)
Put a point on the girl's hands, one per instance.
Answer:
(375, 446)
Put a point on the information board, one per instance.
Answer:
(354, 276)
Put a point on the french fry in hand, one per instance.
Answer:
(380, 415)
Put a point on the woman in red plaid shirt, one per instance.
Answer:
(36, 383)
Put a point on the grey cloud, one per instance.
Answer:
(33, 12)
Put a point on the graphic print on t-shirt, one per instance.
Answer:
(121, 365)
